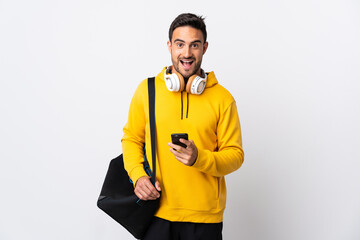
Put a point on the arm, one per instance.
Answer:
(133, 140)
(133, 143)
(230, 154)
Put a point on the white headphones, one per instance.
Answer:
(175, 82)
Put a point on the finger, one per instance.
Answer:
(184, 157)
(145, 195)
(179, 158)
(177, 154)
(186, 142)
(181, 152)
(174, 146)
(139, 191)
(157, 185)
(139, 195)
(145, 188)
(151, 190)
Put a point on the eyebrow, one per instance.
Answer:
(179, 40)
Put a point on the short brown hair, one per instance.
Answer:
(188, 19)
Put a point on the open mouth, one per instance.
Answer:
(186, 63)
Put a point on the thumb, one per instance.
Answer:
(157, 185)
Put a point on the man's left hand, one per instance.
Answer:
(186, 155)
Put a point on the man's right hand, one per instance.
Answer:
(145, 190)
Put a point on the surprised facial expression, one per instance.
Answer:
(187, 48)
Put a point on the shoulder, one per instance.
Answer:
(142, 85)
(216, 91)
(219, 94)
(141, 88)
(141, 94)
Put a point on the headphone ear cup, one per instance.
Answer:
(181, 80)
(173, 82)
(189, 83)
(196, 85)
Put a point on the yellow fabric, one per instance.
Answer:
(189, 193)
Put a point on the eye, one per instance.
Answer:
(195, 45)
(179, 45)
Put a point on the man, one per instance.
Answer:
(191, 179)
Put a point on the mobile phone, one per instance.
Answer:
(175, 138)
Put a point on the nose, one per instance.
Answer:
(187, 52)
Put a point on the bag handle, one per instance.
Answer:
(151, 93)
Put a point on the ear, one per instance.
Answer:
(206, 44)
(169, 46)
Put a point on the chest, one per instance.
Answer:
(176, 112)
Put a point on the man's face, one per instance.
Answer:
(187, 48)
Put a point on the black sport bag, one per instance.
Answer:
(117, 197)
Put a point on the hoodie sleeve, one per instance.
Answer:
(133, 140)
(230, 154)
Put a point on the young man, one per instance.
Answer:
(191, 179)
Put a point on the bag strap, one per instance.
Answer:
(151, 93)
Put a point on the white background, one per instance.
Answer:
(68, 70)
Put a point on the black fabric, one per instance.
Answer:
(117, 197)
(162, 229)
(151, 93)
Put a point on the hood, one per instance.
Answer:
(210, 82)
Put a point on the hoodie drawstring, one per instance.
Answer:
(187, 105)
(181, 107)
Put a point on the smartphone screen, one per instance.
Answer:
(175, 138)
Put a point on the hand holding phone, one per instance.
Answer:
(186, 156)
(175, 138)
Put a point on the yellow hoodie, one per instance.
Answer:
(189, 193)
